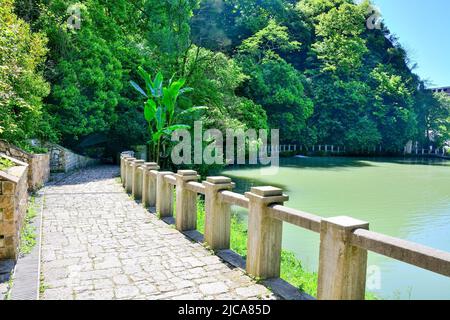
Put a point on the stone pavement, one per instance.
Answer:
(99, 244)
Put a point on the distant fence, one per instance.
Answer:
(300, 148)
(442, 152)
(322, 148)
(333, 149)
(344, 241)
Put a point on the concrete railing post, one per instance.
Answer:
(129, 174)
(218, 213)
(149, 184)
(164, 195)
(342, 267)
(136, 188)
(122, 168)
(264, 233)
(186, 218)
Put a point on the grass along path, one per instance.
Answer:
(5, 164)
(28, 234)
(292, 270)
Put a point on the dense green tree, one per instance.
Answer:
(356, 76)
(274, 83)
(167, 30)
(437, 119)
(338, 46)
(22, 85)
(311, 68)
(91, 69)
(353, 86)
(393, 108)
(339, 109)
(216, 79)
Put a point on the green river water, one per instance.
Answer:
(408, 199)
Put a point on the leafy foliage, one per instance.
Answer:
(5, 163)
(28, 233)
(90, 69)
(216, 79)
(22, 85)
(310, 68)
(319, 73)
(438, 118)
(276, 84)
(161, 109)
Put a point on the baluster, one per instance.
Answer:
(149, 184)
(264, 233)
(186, 218)
(136, 188)
(342, 267)
(164, 195)
(218, 213)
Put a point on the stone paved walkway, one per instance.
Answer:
(99, 244)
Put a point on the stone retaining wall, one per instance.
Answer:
(13, 207)
(38, 164)
(65, 160)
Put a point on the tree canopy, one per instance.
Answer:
(311, 68)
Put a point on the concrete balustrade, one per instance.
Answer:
(186, 207)
(344, 241)
(149, 184)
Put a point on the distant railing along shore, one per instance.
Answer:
(333, 149)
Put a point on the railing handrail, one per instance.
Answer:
(296, 217)
(234, 198)
(171, 179)
(196, 187)
(409, 252)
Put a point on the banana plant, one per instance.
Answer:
(161, 108)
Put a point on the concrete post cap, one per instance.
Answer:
(266, 191)
(267, 195)
(218, 180)
(345, 222)
(187, 173)
(151, 166)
